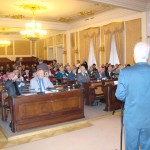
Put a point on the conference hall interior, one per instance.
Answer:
(64, 58)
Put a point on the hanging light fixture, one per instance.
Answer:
(33, 30)
(3, 41)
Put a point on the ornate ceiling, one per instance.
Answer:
(55, 10)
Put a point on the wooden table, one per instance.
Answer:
(90, 87)
(106, 88)
(46, 109)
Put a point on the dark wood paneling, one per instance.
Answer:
(46, 109)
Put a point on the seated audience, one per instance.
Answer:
(78, 65)
(19, 62)
(91, 71)
(40, 83)
(42, 65)
(5, 76)
(82, 76)
(8, 68)
(109, 73)
(70, 74)
(94, 68)
(61, 74)
(26, 75)
(55, 64)
(13, 86)
(85, 64)
(100, 75)
(50, 73)
(2, 70)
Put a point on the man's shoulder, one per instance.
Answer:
(46, 79)
(33, 79)
(79, 74)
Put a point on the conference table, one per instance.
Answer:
(32, 110)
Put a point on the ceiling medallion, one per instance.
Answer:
(32, 7)
(19, 16)
(86, 13)
(62, 19)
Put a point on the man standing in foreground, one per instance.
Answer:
(134, 89)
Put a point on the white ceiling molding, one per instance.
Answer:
(15, 23)
(138, 5)
(104, 18)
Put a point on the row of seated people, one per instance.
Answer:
(40, 82)
(56, 73)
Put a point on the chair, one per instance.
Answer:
(70, 83)
(111, 102)
(5, 105)
(98, 93)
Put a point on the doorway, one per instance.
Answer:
(50, 54)
(59, 54)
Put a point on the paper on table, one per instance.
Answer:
(115, 82)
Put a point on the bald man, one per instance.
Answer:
(40, 83)
(100, 74)
(134, 89)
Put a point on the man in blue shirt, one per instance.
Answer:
(134, 89)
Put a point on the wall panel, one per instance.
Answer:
(22, 47)
(133, 35)
(2, 50)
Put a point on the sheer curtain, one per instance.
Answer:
(85, 37)
(116, 29)
(114, 59)
(91, 58)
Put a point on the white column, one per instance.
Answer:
(78, 45)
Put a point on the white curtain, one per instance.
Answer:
(91, 58)
(114, 59)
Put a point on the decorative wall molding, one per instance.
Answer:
(45, 25)
(138, 5)
(59, 39)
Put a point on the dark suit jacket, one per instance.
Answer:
(81, 79)
(91, 73)
(71, 76)
(42, 66)
(18, 63)
(109, 75)
(14, 90)
(97, 76)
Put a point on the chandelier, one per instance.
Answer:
(4, 43)
(33, 30)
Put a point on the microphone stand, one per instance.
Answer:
(121, 133)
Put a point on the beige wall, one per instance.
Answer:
(133, 35)
(2, 50)
(22, 47)
(56, 41)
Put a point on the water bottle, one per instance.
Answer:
(73, 86)
(56, 82)
(68, 88)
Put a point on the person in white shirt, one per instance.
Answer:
(40, 83)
